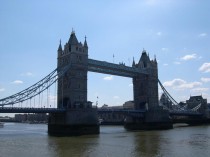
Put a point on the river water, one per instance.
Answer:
(32, 140)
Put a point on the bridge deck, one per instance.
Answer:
(30, 110)
(56, 110)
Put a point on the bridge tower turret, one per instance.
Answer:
(72, 88)
(80, 118)
(60, 52)
(145, 87)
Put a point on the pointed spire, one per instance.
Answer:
(73, 39)
(85, 43)
(155, 59)
(133, 65)
(60, 46)
(144, 51)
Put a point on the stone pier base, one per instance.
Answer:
(74, 122)
(157, 119)
(149, 126)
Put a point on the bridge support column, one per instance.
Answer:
(74, 122)
(155, 119)
(145, 88)
(80, 118)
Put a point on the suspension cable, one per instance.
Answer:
(36, 88)
(55, 94)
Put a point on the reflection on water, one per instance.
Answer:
(114, 141)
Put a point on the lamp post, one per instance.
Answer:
(97, 102)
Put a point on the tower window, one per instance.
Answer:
(79, 58)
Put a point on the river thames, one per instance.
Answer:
(32, 140)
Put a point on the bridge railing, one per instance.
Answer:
(31, 110)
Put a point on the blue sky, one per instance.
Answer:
(177, 32)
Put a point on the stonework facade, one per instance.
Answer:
(72, 88)
(145, 87)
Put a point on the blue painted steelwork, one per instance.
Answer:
(120, 111)
(31, 110)
(46, 82)
(136, 113)
(94, 66)
(132, 113)
(172, 113)
(114, 69)
(185, 113)
(35, 89)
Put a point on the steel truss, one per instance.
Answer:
(35, 89)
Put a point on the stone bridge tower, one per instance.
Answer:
(145, 87)
(72, 88)
(79, 118)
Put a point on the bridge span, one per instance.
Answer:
(74, 114)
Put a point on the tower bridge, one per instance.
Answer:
(74, 114)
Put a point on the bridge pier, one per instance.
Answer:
(74, 122)
(154, 119)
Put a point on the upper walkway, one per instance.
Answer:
(114, 69)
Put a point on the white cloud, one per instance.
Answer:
(17, 82)
(189, 57)
(108, 78)
(199, 90)
(202, 34)
(174, 82)
(164, 49)
(159, 33)
(2, 89)
(205, 67)
(180, 84)
(206, 96)
(130, 85)
(177, 63)
(165, 64)
(116, 97)
(205, 79)
(189, 85)
(27, 74)
(200, 57)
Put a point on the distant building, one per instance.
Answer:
(20, 117)
(195, 101)
(105, 106)
(128, 105)
(165, 102)
(114, 117)
(37, 117)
